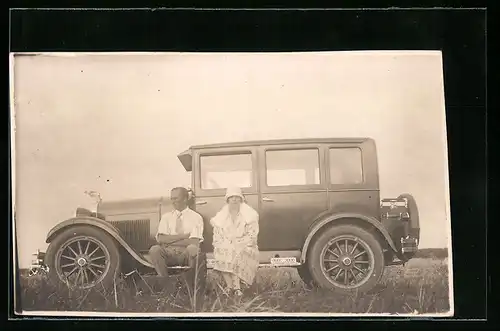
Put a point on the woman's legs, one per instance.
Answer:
(228, 278)
(232, 281)
(236, 282)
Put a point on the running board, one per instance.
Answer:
(395, 262)
(268, 259)
(273, 264)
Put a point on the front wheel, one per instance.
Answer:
(346, 258)
(83, 257)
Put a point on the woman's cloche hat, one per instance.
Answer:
(234, 191)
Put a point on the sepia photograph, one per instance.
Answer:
(231, 184)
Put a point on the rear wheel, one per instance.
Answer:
(346, 258)
(305, 276)
(83, 257)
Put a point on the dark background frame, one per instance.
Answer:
(459, 33)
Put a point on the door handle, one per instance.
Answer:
(267, 199)
(201, 202)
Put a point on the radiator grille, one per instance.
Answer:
(135, 232)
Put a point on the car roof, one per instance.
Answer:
(186, 157)
(282, 142)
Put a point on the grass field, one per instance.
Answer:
(421, 286)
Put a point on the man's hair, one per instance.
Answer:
(184, 191)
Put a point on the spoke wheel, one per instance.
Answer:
(346, 258)
(82, 262)
(347, 261)
(83, 257)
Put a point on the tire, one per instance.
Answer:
(414, 217)
(413, 228)
(363, 261)
(305, 276)
(73, 263)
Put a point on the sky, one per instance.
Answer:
(115, 123)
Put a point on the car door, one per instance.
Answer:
(293, 194)
(215, 170)
(353, 178)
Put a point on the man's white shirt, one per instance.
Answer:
(192, 223)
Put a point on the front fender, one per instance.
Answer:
(92, 221)
(332, 218)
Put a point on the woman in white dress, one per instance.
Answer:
(235, 232)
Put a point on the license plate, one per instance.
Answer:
(284, 261)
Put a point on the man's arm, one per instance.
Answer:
(163, 235)
(188, 241)
(195, 237)
(171, 238)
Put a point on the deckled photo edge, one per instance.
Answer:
(355, 52)
(12, 116)
(447, 192)
(225, 315)
(99, 314)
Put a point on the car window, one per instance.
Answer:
(223, 171)
(292, 167)
(346, 166)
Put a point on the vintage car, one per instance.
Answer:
(318, 201)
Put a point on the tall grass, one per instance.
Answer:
(419, 287)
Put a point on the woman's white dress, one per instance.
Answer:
(235, 243)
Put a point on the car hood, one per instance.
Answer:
(126, 206)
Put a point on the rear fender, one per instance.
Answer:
(105, 226)
(337, 217)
